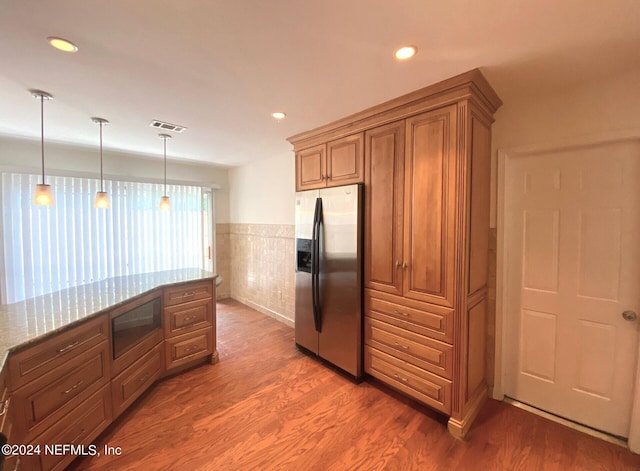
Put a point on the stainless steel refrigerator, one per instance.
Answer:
(328, 317)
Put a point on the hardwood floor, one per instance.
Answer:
(267, 406)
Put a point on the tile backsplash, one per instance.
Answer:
(263, 276)
(223, 260)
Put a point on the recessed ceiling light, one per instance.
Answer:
(279, 115)
(406, 52)
(62, 44)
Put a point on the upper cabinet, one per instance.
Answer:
(338, 162)
(311, 168)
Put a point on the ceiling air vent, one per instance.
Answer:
(166, 126)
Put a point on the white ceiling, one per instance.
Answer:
(220, 67)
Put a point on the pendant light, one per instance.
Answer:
(43, 196)
(102, 200)
(165, 204)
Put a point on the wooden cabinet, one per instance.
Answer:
(81, 426)
(384, 196)
(132, 382)
(184, 349)
(31, 363)
(67, 388)
(60, 392)
(187, 317)
(426, 171)
(48, 399)
(430, 206)
(335, 163)
(11, 462)
(189, 324)
(187, 292)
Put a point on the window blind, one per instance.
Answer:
(46, 249)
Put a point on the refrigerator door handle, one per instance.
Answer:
(315, 262)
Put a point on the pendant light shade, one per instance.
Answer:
(165, 203)
(43, 196)
(102, 200)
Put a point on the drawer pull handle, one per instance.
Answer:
(4, 406)
(405, 347)
(144, 377)
(190, 318)
(400, 313)
(68, 347)
(190, 293)
(73, 388)
(191, 348)
(398, 377)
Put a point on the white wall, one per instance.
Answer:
(263, 192)
(590, 110)
(60, 159)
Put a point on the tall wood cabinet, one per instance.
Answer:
(426, 172)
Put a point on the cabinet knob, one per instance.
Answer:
(404, 265)
(398, 264)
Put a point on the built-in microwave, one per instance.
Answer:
(136, 327)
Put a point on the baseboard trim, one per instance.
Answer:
(568, 423)
(458, 427)
(265, 310)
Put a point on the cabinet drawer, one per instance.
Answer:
(418, 350)
(33, 362)
(44, 402)
(426, 387)
(183, 349)
(79, 427)
(424, 319)
(131, 383)
(187, 317)
(188, 292)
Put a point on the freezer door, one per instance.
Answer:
(305, 332)
(305, 205)
(341, 279)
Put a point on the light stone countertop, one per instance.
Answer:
(32, 320)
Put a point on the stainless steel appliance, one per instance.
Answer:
(136, 324)
(328, 317)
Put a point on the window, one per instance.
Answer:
(46, 249)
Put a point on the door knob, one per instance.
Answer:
(629, 315)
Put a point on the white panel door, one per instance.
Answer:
(572, 228)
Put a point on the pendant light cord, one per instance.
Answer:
(101, 179)
(42, 133)
(165, 165)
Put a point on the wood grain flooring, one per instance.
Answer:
(267, 406)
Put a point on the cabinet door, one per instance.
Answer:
(384, 194)
(345, 161)
(430, 206)
(310, 168)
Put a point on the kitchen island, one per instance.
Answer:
(73, 360)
